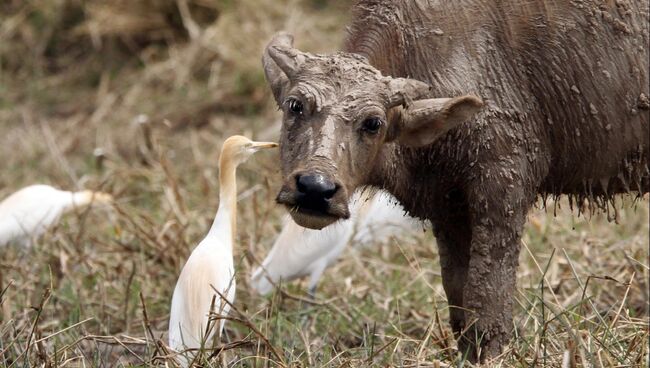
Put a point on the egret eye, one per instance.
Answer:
(295, 106)
(372, 125)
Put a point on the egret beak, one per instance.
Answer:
(103, 198)
(263, 145)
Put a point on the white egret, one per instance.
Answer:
(210, 266)
(375, 216)
(30, 211)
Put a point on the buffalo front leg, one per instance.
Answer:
(497, 222)
(454, 240)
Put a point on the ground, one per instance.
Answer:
(135, 98)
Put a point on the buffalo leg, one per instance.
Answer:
(497, 222)
(454, 239)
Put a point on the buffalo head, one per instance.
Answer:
(339, 112)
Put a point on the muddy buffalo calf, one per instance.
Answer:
(467, 111)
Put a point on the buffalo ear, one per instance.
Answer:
(424, 121)
(281, 62)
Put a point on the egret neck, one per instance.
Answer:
(226, 219)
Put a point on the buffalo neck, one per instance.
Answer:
(397, 171)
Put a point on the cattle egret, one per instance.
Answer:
(30, 211)
(300, 252)
(210, 266)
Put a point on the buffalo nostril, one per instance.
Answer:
(301, 184)
(329, 193)
(315, 186)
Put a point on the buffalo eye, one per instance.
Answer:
(371, 125)
(295, 106)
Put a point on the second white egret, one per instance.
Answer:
(29, 212)
(375, 216)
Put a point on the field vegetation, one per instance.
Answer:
(135, 98)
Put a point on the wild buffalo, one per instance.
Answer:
(467, 111)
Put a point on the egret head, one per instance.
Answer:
(88, 197)
(237, 149)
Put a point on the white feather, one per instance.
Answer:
(32, 210)
(210, 265)
(381, 218)
(299, 252)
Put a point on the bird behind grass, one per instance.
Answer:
(375, 217)
(29, 212)
(210, 266)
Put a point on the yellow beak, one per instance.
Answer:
(264, 145)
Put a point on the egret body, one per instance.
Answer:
(299, 252)
(210, 266)
(30, 211)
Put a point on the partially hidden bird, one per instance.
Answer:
(29, 212)
(210, 267)
(375, 217)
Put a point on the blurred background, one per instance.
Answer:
(135, 98)
(87, 74)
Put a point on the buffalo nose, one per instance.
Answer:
(315, 186)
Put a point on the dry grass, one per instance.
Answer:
(136, 98)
